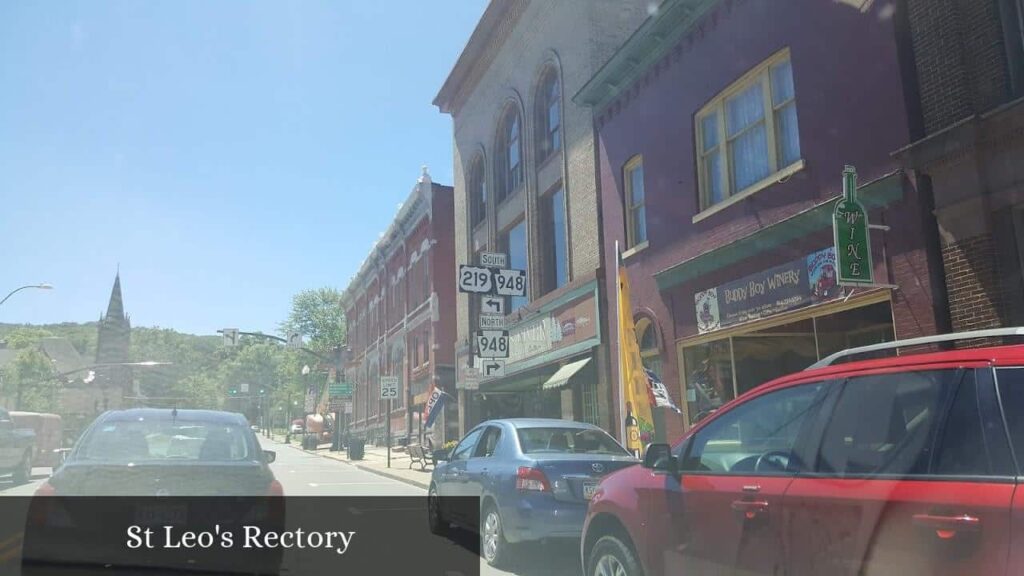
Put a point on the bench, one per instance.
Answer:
(418, 455)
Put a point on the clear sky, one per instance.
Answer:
(226, 154)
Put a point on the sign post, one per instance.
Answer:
(852, 239)
(388, 391)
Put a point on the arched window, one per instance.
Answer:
(549, 115)
(477, 191)
(650, 350)
(509, 157)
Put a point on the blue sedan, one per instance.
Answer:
(533, 476)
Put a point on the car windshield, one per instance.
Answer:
(568, 441)
(138, 441)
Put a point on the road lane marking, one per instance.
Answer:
(318, 484)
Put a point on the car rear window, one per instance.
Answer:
(568, 441)
(142, 440)
(1011, 395)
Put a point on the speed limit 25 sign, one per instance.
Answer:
(492, 343)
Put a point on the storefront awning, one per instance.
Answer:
(565, 373)
(875, 194)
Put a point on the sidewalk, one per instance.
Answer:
(375, 461)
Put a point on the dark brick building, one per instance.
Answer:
(965, 72)
(723, 130)
(393, 307)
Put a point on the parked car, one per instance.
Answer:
(159, 452)
(49, 430)
(533, 478)
(904, 465)
(297, 428)
(17, 449)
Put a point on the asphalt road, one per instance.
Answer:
(309, 474)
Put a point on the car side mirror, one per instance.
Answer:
(659, 457)
(269, 456)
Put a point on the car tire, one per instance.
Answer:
(24, 471)
(495, 550)
(610, 556)
(438, 525)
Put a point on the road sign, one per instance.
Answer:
(348, 407)
(295, 340)
(492, 305)
(508, 282)
(475, 279)
(340, 389)
(245, 387)
(492, 322)
(853, 242)
(388, 387)
(493, 260)
(492, 343)
(492, 368)
(230, 336)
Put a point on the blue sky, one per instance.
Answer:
(226, 154)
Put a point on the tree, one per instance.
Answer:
(31, 381)
(317, 315)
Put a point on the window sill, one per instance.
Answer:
(635, 249)
(750, 190)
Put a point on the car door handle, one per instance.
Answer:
(947, 527)
(750, 509)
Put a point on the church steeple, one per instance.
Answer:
(115, 308)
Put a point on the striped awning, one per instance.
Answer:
(564, 374)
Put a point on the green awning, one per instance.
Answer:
(876, 194)
(564, 374)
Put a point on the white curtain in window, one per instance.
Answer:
(748, 137)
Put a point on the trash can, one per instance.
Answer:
(309, 442)
(356, 448)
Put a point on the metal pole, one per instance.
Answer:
(388, 440)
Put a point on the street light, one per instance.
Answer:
(43, 286)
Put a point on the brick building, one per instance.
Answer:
(723, 131)
(394, 311)
(525, 186)
(967, 76)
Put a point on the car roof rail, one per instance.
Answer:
(953, 337)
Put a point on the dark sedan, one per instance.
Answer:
(534, 478)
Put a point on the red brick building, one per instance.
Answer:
(393, 309)
(967, 78)
(723, 131)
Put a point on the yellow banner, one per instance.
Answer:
(639, 423)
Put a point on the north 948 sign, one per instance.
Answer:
(492, 344)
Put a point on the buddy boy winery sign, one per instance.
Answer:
(791, 285)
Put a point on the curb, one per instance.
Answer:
(365, 468)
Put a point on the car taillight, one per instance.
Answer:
(275, 489)
(531, 479)
(45, 489)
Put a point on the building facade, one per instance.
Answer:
(525, 186)
(967, 73)
(724, 127)
(393, 311)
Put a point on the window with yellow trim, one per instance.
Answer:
(748, 132)
(636, 217)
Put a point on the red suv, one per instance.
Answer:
(904, 465)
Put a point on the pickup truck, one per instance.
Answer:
(17, 448)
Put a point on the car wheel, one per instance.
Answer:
(493, 546)
(438, 525)
(24, 472)
(611, 557)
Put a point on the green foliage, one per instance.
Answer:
(29, 381)
(318, 316)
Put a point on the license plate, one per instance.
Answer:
(161, 515)
(588, 490)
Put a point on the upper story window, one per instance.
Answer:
(514, 244)
(509, 169)
(549, 115)
(635, 212)
(477, 192)
(554, 250)
(748, 132)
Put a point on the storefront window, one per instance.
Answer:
(852, 328)
(767, 354)
(709, 380)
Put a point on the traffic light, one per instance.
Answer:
(233, 391)
(263, 391)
